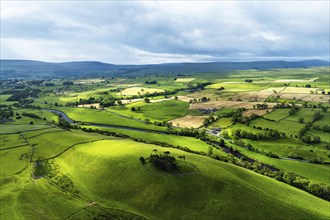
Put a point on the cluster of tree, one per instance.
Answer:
(31, 115)
(293, 110)
(190, 132)
(26, 103)
(35, 82)
(90, 100)
(318, 189)
(199, 85)
(67, 83)
(151, 82)
(163, 123)
(133, 109)
(204, 99)
(6, 111)
(49, 84)
(324, 128)
(23, 94)
(164, 162)
(303, 131)
(260, 106)
(62, 123)
(317, 116)
(208, 120)
(269, 134)
(249, 80)
(319, 105)
(311, 140)
(283, 105)
(306, 138)
(240, 119)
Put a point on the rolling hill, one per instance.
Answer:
(38, 69)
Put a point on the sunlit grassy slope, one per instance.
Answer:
(110, 172)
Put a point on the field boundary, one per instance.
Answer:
(17, 146)
(19, 132)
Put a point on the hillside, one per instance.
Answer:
(38, 69)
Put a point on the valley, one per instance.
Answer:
(245, 142)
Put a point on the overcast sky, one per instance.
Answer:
(137, 32)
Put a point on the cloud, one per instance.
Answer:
(156, 32)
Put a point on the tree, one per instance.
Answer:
(204, 99)
(31, 122)
(306, 139)
(316, 139)
(301, 120)
(317, 116)
(119, 102)
(146, 100)
(210, 151)
(142, 160)
(133, 109)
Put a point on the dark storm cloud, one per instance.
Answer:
(155, 32)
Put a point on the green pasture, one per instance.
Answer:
(186, 142)
(108, 164)
(15, 128)
(105, 117)
(288, 127)
(278, 114)
(288, 146)
(48, 145)
(221, 123)
(159, 111)
(325, 120)
(325, 136)
(239, 86)
(11, 140)
(14, 161)
(317, 172)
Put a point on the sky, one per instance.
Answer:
(146, 32)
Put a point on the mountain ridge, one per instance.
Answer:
(41, 69)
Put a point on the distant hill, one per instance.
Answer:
(38, 69)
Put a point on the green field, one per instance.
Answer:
(277, 115)
(106, 117)
(288, 127)
(159, 111)
(185, 142)
(109, 163)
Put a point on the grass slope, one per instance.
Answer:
(110, 173)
